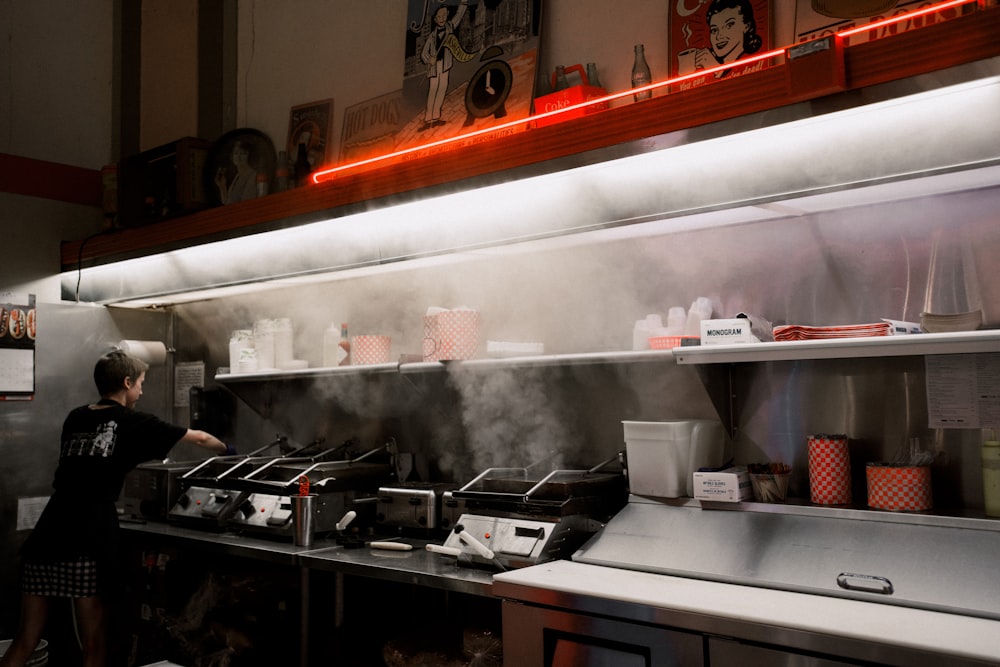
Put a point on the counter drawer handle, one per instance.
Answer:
(868, 583)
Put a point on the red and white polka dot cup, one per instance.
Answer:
(452, 334)
(369, 349)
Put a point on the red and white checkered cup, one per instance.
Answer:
(899, 488)
(829, 470)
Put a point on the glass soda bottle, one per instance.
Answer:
(641, 75)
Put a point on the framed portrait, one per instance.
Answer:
(311, 124)
(239, 166)
(709, 33)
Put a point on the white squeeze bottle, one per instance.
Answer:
(331, 346)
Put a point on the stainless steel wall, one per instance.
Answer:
(70, 340)
(849, 266)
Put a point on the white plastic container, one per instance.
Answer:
(263, 343)
(283, 335)
(663, 456)
(248, 360)
(239, 340)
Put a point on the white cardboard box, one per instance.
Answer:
(728, 486)
(727, 332)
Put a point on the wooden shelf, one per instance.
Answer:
(964, 39)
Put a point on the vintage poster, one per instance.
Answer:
(17, 346)
(469, 65)
(369, 128)
(311, 124)
(821, 18)
(708, 33)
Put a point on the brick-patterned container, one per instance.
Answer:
(829, 470)
(899, 488)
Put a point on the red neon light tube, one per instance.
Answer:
(328, 174)
(902, 17)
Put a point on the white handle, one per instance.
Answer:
(391, 546)
(346, 520)
(478, 546)
(447, 551)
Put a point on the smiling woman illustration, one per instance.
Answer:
(732, 34)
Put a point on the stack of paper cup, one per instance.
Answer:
(283, 354)
(829, 470)
(239, 340)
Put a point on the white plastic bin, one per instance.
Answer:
(663, 456)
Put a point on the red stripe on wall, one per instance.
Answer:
(49, 180)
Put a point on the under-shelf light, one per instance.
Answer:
(323, 175)
(666, 191)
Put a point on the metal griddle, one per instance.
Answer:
(524, 521)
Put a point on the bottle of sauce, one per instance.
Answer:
(331, 346)
(641, 75)
(344, 347)
(991, 477)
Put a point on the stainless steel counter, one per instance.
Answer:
(418, 567)
(795, 621)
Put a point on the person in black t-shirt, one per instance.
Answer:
(71, 551)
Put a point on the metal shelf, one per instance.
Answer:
(964, 342)
(554, 360)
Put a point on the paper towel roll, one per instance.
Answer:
(153, 352)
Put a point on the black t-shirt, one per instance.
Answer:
(100, 445)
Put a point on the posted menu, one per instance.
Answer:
(963, 390)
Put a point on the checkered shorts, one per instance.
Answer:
(74, 579)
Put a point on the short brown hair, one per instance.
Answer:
(112, 369)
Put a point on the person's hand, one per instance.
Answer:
(230, 450)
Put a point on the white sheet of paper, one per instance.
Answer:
(28, 511)
(186, 375)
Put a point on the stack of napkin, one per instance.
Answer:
(799, 332)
